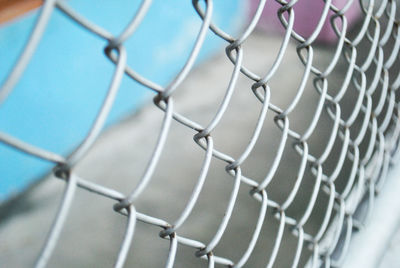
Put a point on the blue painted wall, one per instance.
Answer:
(56, 101)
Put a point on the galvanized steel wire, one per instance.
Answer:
(379, 129)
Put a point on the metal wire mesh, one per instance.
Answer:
(348, 169)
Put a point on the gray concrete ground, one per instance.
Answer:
(93, 231)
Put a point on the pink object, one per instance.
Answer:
(307, 16)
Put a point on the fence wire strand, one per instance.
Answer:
(376, 103)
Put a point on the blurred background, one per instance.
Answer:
(55, 101)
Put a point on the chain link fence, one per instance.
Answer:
(332, 183)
